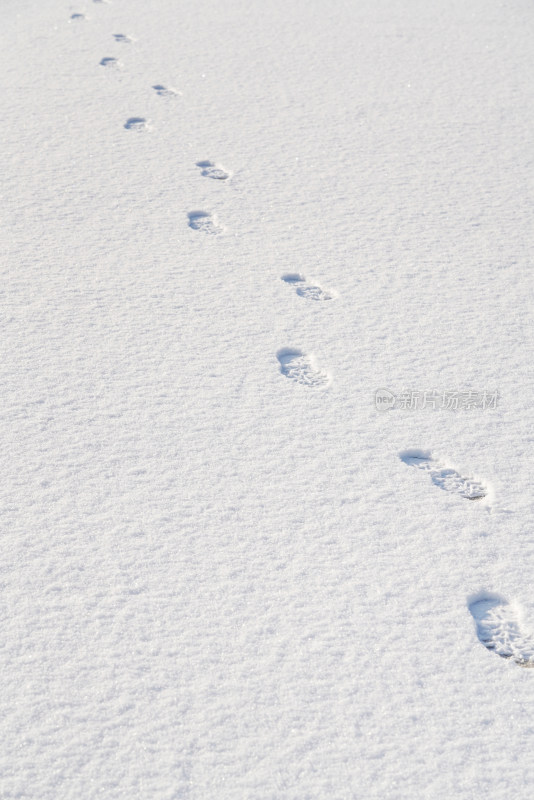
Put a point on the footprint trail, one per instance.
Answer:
(212, 170)
(444, 477)
(136, 124)
(111, 63)
(204, 221)
(304, 289)
(500, 629)
(165, 91)
(301, 368)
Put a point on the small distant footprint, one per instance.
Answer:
(499, 628)
(78, 16)
(136, 124)
(444, 477)
(114, 63)
(122, 37)
(104, 2)
(212, 170)
(304, 289)
(204, 221)
(165, 91)
(301, 368)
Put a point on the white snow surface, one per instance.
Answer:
(217, 581)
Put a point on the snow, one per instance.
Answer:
(220, 579)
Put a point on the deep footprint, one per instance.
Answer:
(304, 289)
(136, 124)
(110, 62)
(122, 37)
(165, 91)
(212, 170)
(203, 221)
(301, 368)
(78, 16)
(499, 629)
(444, 477)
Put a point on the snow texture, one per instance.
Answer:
(218, 578)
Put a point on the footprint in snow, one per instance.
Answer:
(304, 289)
(204, 221)
(110, 62)
(165, 91)
(301, 368)
(500, 628)
(136, 124)
(77, 17)
(212, 170)
(444, 477)
(122, 37)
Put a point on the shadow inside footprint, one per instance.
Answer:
(304, 289)
(203, 221)
(444, 477)
(212, 170)
(110, 62)
(301, 368)
(165, 91)
(499, 628)
(136, 124)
